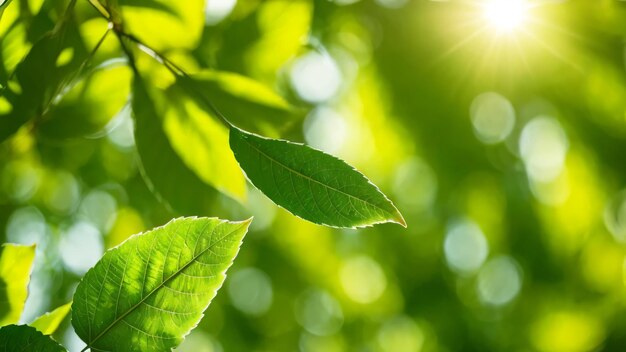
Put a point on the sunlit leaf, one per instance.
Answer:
(49, 322)
(3, 5)
(283, 26)
(150, 291)
(177, 24)
(166, 172)
(14, 47)
(15, 265)
(90, 104)
(244, 101)
(41, 75)
(23, 338)
(201, 141)
(311, 184)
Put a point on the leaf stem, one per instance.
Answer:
(162, 59)
(74, 76)
(101, 9)
(127, 51)
(176, 71)
(156, 55)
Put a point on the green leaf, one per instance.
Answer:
(311, 184)
(202, 142)
(40, 77)
(283, 26)
(165, 171)
(49, 322)
(90, 104)
(179, 24)
(3, 5)
(150, 291)
(247, 103)
(16, 262)
(23, 338)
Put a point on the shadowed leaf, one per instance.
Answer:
(166, 171)
(23, 338)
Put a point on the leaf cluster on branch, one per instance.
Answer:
(197, 135)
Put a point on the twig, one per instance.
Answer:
(156, 55)
(101, 9)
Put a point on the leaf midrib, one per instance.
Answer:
(316, 181)
(161, 285)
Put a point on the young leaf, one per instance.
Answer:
(15, 265)
(247, 103)
(311, 184)
(18, 338)
(150, 291)
(49, 322)
(165, 172)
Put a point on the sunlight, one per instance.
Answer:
(505, 15)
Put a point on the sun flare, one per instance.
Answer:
(505, 15)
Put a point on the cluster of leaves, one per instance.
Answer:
(186, 157)
(197, 140)
(144, 295)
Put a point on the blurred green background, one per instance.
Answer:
(498, 129)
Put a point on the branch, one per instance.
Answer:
(101, 9)
(171, 66)
(76, 74)
(176, 71)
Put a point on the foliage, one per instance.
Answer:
(311, 184)
(496, 127)
(149, 292)
(26, 338)
(15, 266)
(170, 274)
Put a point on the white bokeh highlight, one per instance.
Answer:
(493, 117)
(215, 11)
(499, 281)
(543, 146)
(316, 77)
(250, 291)
(465, 247)
(81, 247)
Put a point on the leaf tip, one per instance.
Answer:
(248, 221)
(399, 219)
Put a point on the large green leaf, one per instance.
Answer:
(167, 174)
(311, 184)
(247, 103)
(23, 338)
(150, 291)
(16, 262)
(49, 322)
